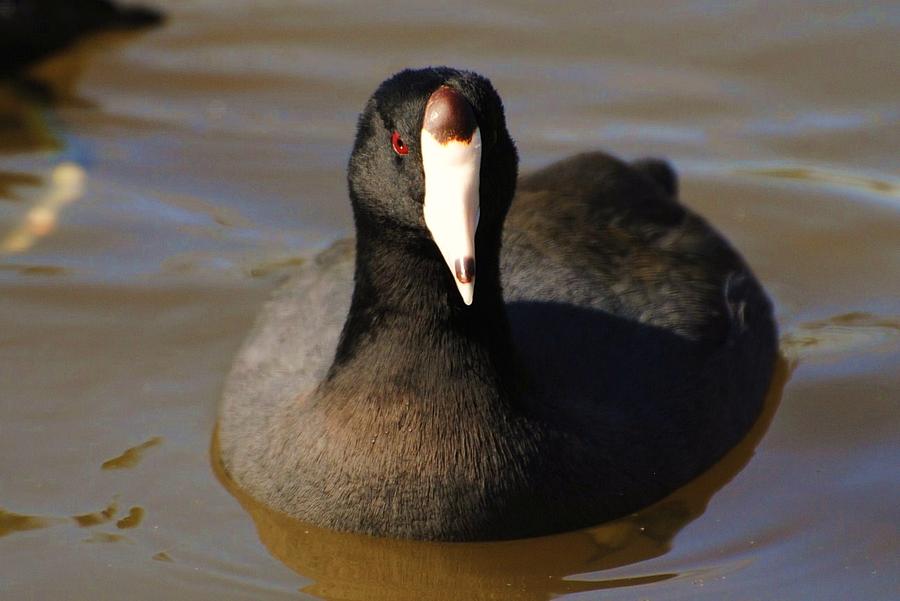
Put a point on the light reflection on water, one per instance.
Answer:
(66, 184)
(877, 186)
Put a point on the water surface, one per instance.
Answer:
(150, 205)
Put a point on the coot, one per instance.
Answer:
(493, 358)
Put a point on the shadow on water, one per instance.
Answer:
(349, 566)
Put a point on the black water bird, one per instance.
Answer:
(31, 30)
(495, 357)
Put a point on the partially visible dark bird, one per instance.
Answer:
(31, 30)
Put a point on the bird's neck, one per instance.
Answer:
(408, 335)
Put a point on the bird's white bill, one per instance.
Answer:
(452, 173)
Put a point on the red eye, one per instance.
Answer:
(399, 145)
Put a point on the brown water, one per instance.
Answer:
(147, 213)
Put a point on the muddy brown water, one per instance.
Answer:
(146, 213)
